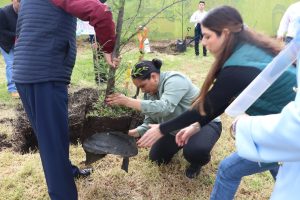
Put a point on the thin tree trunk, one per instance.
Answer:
(111, 74)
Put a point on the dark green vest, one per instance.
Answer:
(281, 91)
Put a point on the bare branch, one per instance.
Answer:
(111, 74)
(133, 18)
(149, 20)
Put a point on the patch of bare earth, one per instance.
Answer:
(81, 126)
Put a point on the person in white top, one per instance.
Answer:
(286, 30)
(274, 138)
(196, 18)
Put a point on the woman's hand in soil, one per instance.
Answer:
(117, 99)
(183, 136)
(133, 133)
(150, 137)
(121, 99)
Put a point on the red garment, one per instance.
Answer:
(98, 15)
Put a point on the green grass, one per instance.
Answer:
(4, 2)
(21, 176)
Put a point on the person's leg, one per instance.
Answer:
(204, 48)
(46, 105)
(197, 150)
(204, 51)
(231, 170)
(197, 39)
(274, 172)
(9, 58)
(163, 150)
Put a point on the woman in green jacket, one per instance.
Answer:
(166, 96)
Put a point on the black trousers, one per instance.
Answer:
(196, 151)
(198, 37)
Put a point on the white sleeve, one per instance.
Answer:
(271, 138)
(284, 24)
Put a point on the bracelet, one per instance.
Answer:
(233, 129)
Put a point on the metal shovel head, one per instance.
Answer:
(112, 142)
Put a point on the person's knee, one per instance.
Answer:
(227, 171)
(196, 154)
(158, 158)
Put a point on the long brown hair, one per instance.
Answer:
(226, 17)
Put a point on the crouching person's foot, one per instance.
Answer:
(192, 171)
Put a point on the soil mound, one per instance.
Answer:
(4, 143)
(80, 126)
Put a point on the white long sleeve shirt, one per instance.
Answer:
(275, 138)
(197, 17)
(287, 25)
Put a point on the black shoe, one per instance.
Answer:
(83, 173)
(192, 171)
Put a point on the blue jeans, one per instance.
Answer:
(9, 58)
(231, 170)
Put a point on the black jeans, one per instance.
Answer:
(196, 151)
(198, 37)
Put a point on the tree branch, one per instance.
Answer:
(149, 20)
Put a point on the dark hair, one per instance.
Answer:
(142, 70)
(226, 17)
(202, 2)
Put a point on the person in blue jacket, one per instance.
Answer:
(45, 54)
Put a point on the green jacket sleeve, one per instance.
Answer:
(144, 127)
(174, 90)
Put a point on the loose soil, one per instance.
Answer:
(4, 142)
(81, 127)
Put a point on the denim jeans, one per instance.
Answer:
(231, 170)
(9, 58)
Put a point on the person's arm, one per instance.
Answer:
(5, 35)
(145, 126)
(174, 90)
(121, 99)
(284, 24)
(98, 15)
(270, 138)
(229, 83)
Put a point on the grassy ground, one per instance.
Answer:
(4, 2)
(21, 176)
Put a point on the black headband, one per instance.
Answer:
(143, 69)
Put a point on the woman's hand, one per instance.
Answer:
(183, 136)
(133, 133)
(117, 99)
(150, 137)
(234, 123)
